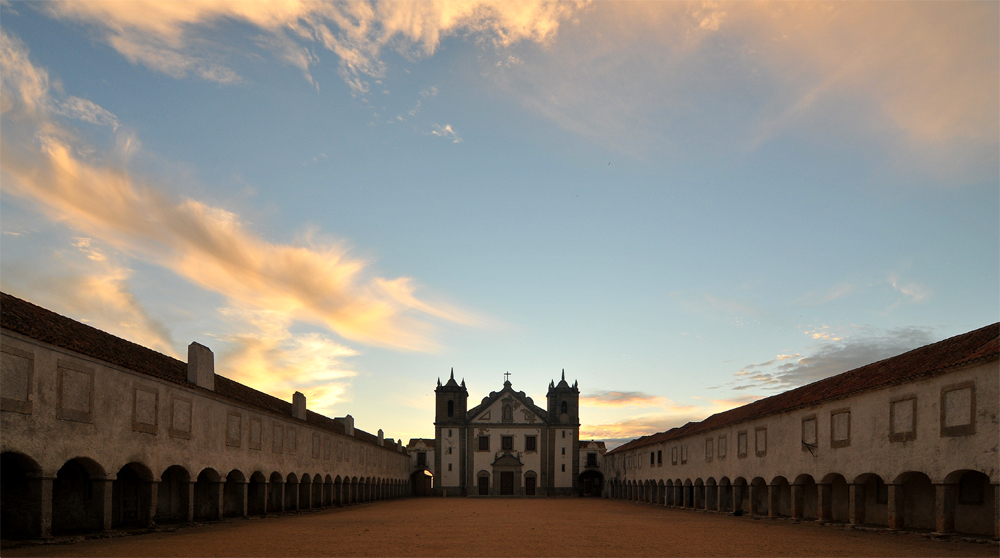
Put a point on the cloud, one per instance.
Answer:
(175, 37)
(818, 298)
(92, 285)
(832, 356)
(310, 281)
(446, 131)
(913, 291)
(262, 352)
(622, 399)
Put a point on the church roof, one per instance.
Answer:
(428, 442)
(44, 325)
(981, 345)
(508, 389)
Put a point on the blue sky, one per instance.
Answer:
(686, 206)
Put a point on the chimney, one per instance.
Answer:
(299, 405)
(348, 423)
(381, 437)
(201, 366)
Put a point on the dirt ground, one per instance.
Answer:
(511, 527)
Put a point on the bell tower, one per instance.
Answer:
(451, 404)
(564, 402)
(452, 401)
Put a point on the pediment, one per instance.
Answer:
(507, 460)
(507, 407)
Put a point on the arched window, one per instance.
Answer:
(451, 408)
(508, 413)
(565, 407)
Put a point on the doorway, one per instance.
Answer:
(484, 486)
(529, 486)
(507, 483)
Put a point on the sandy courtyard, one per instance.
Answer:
(511, 527)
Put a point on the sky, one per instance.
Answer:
(685, 206)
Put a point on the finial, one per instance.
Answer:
(452, 372)
(463, 382)
(439, 381)
(506, 377)
(564, 374)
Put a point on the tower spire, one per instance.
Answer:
(452, 372)
(564, 375)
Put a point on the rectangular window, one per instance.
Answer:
(809, 433)
(563, 451)
(958, 409)
(840, 428)
(422, 459)
(760, 440)
(484, 443)
(659, 457)
(709, 446)
(449, 466)
(903, 419)
(563, 433)
(507, 443)
(448, 450)
(449, 433)
(673, 455)
(741, 444)
(722, 446)
(652, 459)
(530, 443)
(17, 369)
(684, 454)
(591, 460)
(564, 468)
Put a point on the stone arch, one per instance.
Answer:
(839, 507)
(698, 497)
(805, 498)
(132, 496)
(78, 496)
(173, 496)
(741, 495)
(338, 491)
(20, 508)
(482, 482)
(871, 500)
(328, 491)
(353, 491)
(914, 501)
(531, 483)
(305, 492)
(234, 494)
(779, 497)
(276, 493)
(758, 496)
(973, 499)
(316, 500)
(688, 493)
(725, 489)
(208, 495)
(711, 494)
(256, 494)
(291, 492)
(661, 493)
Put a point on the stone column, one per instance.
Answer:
(897, 517)
(824, 494)
(40, 496)
(151, 488)
(798, 501)
(856, 505)
(774, 501)
(189, 514)
(102, 502)
(996, 511)
(246, 494)
(945, 499)
(219, 490)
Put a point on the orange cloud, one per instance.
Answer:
(622, 399)
(313, 282)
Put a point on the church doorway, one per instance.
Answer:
(529, 485)
(591, 483)
(507, 483)
(484, 485)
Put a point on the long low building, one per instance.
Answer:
(910, 442)
(99, 432)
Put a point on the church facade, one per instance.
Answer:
(506, 445)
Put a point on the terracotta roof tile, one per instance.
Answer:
(980, 345)
(44, 325)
